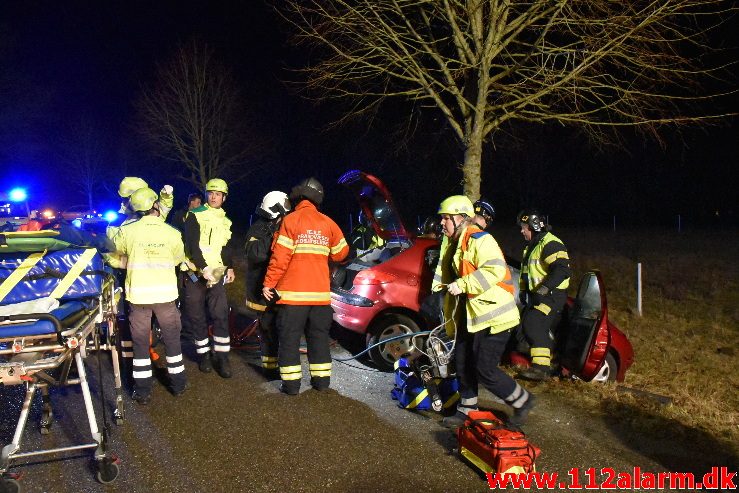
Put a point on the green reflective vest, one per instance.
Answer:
(215, 231)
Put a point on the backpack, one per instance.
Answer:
(411, 393)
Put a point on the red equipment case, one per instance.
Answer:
(491, 447)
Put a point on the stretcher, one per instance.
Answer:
(56, 304)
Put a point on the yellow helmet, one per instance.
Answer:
(143, 199)
(129, 185)
(216, 185)
(457, 204)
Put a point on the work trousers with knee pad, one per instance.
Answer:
(140, 323)
(269, 342)
(293, 321)
(477, 359)
(539, 321)
(197, 297)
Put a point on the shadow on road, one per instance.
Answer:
(674, 445)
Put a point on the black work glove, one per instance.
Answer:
(543, 290)
(522, 297)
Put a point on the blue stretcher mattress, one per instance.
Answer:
(69, 274)
(41, 327)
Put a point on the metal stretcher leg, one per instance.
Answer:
(13, 447)
(119, 413)
(47, 415)
(107, 465)
(96, 435)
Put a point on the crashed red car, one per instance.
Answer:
(382, 297)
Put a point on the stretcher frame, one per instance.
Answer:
(92, 328)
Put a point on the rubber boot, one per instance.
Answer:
(206, 362)
(222, 365)
(521, 414)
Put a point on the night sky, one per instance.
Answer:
(67, 65)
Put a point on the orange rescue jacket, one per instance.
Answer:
(298, 269)
(468, 268)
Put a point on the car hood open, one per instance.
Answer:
(377, 204)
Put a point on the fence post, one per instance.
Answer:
(614, 224)
(638, 289)
(679, 224)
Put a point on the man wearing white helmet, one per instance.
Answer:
(258, 248)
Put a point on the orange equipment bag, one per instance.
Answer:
(491, 447)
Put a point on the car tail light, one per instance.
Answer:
(370, 276)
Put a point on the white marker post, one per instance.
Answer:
(638, 289)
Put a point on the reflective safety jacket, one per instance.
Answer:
(545, 263)
(207, 237)
(154, 249)
(298, 269)
(480, 270)
(115, 259)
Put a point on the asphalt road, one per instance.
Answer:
(242, 435)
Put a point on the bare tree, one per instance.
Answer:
(194, 116)
(83, 156)
(486, 63)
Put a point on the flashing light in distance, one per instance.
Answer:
(48, 214)
(77, 223)
(18, 195)
(110, 216)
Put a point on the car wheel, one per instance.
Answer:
(608, 371)
(385, 355)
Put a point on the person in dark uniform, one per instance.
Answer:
(258, 248)
(545, 276)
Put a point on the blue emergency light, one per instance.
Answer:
(77, 223)
(110, 216)
(18, 195)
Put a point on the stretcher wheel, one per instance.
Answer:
(10, 486)
(107, 470)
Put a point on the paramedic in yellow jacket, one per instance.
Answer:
(480, 306)
(126, 188)
(208, 247)
(117, 260)
(154, 249)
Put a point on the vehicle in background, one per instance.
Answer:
(383, 297)
(14, 209)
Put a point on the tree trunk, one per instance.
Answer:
(472, 165)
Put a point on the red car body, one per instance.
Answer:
(383, 298)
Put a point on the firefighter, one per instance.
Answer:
(363, 238)
(480, 306)
(545, 276)
(154, 249)
(298, 277)
(208, 248)
(484, 214)
(258, 249)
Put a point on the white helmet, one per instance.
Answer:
(275, 204)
